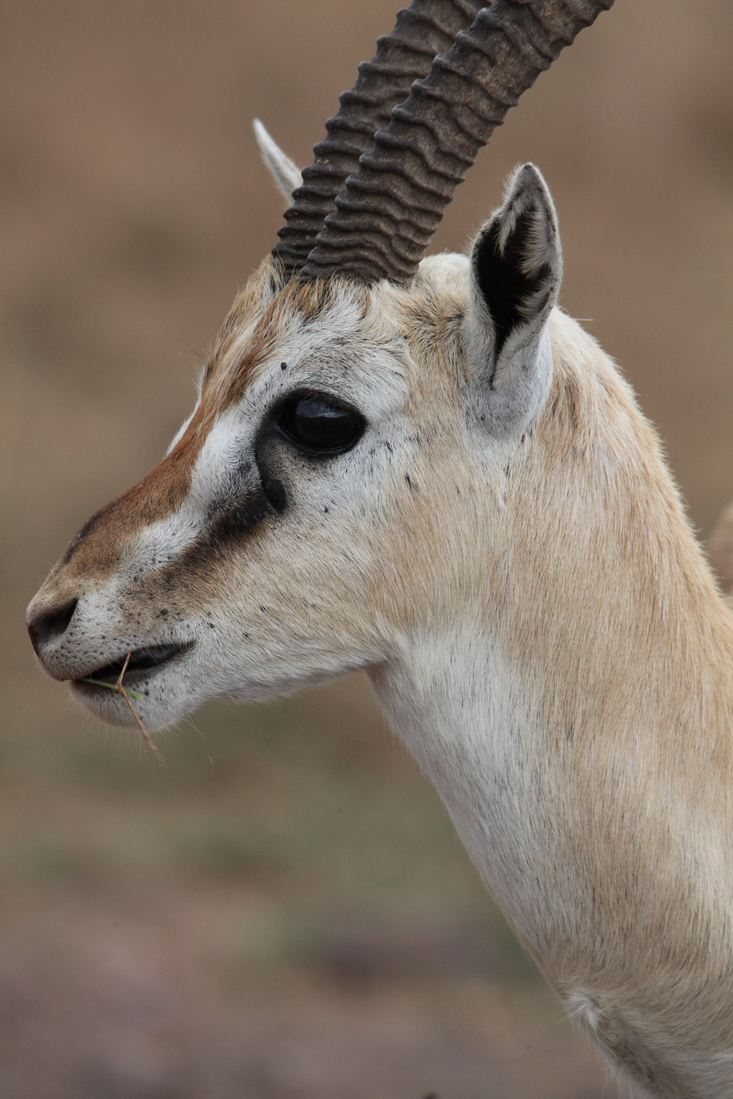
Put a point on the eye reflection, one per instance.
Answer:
(320, 424)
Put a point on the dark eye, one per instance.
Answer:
(320, 424)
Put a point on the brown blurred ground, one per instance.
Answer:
(285, 913)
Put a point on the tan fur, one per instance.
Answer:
(720, 549)
(632, 652)
(602, 597)
(572, 565)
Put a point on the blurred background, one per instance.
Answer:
(285, 912)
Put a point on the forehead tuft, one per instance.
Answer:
(270, 320)
(260, 324)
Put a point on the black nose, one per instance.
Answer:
(49, 625)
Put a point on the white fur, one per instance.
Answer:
(503, 550)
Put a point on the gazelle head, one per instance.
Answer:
(356, 417)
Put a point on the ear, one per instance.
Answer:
(516, 268)
(285, 173)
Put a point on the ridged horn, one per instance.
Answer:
(388, 212)
(421, 32)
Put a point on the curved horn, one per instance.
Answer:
(388, 212)
(421, 31)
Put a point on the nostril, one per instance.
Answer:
(51, 624)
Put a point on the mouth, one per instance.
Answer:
(140, 661)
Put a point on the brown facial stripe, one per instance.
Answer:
(97, 548)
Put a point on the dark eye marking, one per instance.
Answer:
(319, 423)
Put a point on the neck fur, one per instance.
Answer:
(578, 728)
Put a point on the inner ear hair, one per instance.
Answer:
(516, 257)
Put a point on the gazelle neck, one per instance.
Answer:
(461, 709)
(578, 729)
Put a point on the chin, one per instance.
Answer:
(157, 706)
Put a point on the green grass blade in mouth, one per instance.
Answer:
(109, 686)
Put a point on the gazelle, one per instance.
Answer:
(426, 470)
